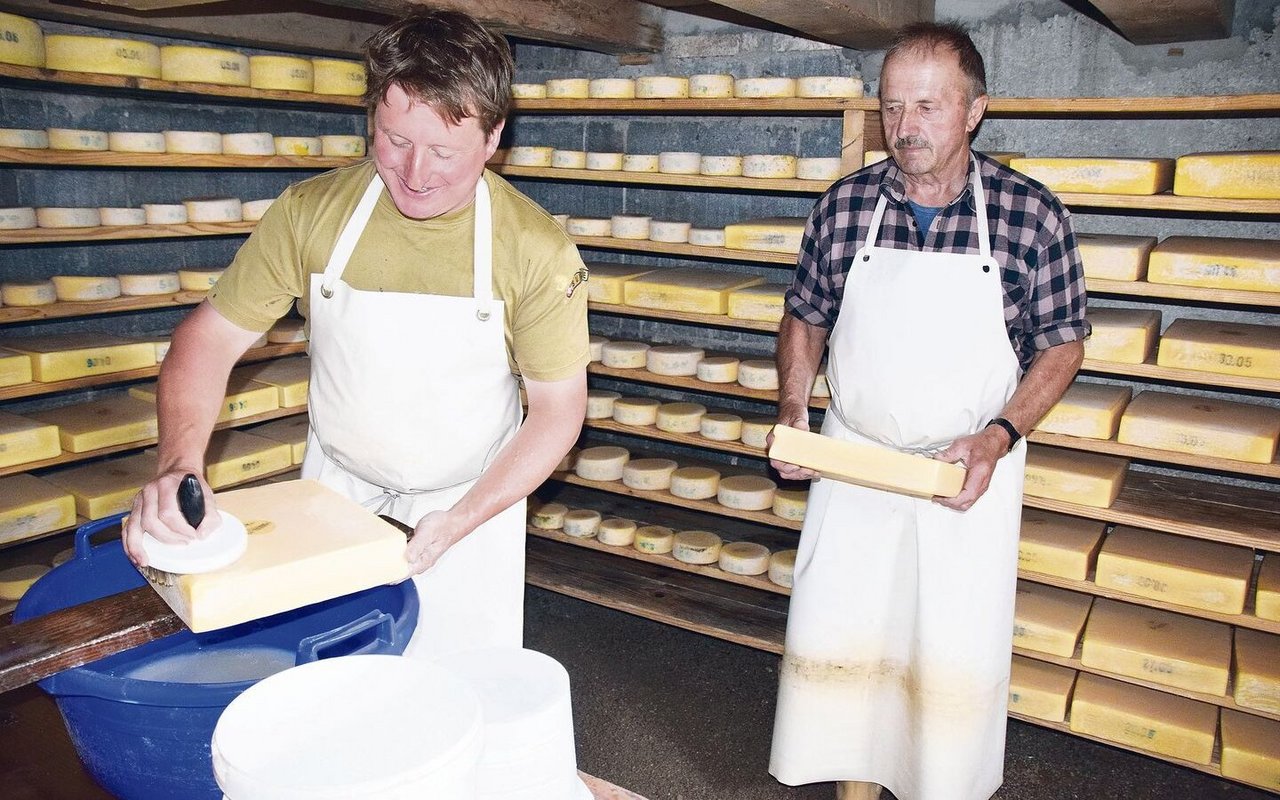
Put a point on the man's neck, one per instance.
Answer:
(938, 188)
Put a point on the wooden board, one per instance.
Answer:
(107, 158)
(689, 317)
(108, 233)
(10, 315)
(696, 251)
(1115, 448)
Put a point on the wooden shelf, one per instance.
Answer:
(106, 158)
(1114, 448)
(698, 105)
(1171, 291)
(688, 317)
(692, 383)
(789, 185)
(105, 233)
(687, 439)
(689, 250)
(1152, 371)
(1169, 202)
(10, 315)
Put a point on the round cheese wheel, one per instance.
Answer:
(696, 547)
(28, 293)
(165, 213)
(260, 143)
(21, 42)
(76, 139)
(287, 331)
(746, 492)
(718, 369)
(674, 359)
(639, 163)
(151, 283)
(600, 403)
(617, 532)
(528, 91)
(13, 219)
(782, 567)
(680, 417)
(648, 474)
(612, 88)
(695, 483)
(602, 463)
(82, 288)
(183, 63)
(213, 209)
(29, 139)
(136, 142)
(568, 88)
(102, 56)
(254, 210)
(711, 86)
(597, 343)
(829, 86)
(15, 581)
(338, 76)
(669, 231)
(758, 374)
(636, 411)
(604, 161)
(629, 226)
(679, 162)
(720, 166)
(68, 218)
(654, 539)
(568, 159)
(790, 503)
(764, 87)
(198, 280)
(657, 87)
(744, 558)
(582, 523)
(588, 226)
(707, 237)
(548, 516)
(286, 73)
(756, 430)
(193, 142)
(343, 146)
(818, 169)
(530, 156)
(720, 427)
(298, 146)
(624, 355)
(769, 166)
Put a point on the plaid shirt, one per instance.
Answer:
(1031, 237)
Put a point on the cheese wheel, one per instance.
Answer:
(714, 85)
(782, 567)
(720, 166)
(82, 288)
(1225, 348)
(1176, 569)
(249, 144)
(632, 162)
(659, 87)
(616, 532)
(1116, 258)
(1056, 544)
(152, 283)
(600, 403)
(604, 161)
(528, 91)
(165, 213)
(758, 374)
(756, 430)
(337, 76)
(1257, 671)
(582, 523)
(603, 463)
(1129, 176)
(548, 516)
(183, 63)
(764, 87)
(1158, 646)
(636, 410)
(720, 427)
(570, 458)
(718, 369)
(596, 345)
(12, 219)
(568, 88)
(1216, 263)
(1250, 752)
(1251, 175)
(769, 166)
(343, 146)
(707, 237)
(68, 217)
(193, 142)
(679, 162)
(629, 226)
(21, 137)
(611, 88)
(746, 492)
(818, 169)
(668, 231)
(1122, 335)
(568, 159)
(790, 503)
(102, 56)
(696, 547)
(136, 142)
(654, 539)
(213, 209)
(530, 156)
(588, 226)
(76, 139)
(763, 302)
(648, 474)
(33, 293)
(1087, 410)
(21, 42)
(15, 368)
(122, 217)
(15, 581)
(254, 210)
(1040, 690)
(286, 73)
(674, 359)
(624, 355)
(198, 280)
(829, 86)
(1085, 478)
(680, 417)
(695, 483)
(744, 558)
(298, 146)
(287, 331)
(770, 235)
(1202, 426)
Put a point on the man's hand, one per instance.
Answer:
(155, 510)
(979, 452)
(434, 534)
(800, 421)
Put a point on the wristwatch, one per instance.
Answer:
(1014, 436)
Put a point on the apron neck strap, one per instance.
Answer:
(482, 257)
(350, 235)
(979, 206)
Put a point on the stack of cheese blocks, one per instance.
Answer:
(256, 144)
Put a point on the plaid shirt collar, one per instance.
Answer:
(894, 185)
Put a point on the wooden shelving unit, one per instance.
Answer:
(104, 158)
(105, 233)
(10, 315)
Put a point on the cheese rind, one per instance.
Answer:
(756, 430)
(772, 87)
(1130, 176)
(1122, 335)
(1147, 719)
(290, 376)
(1115, 258)
(100, 423)
(696, 547)
(611, 88)
(674, 359)
(198, 280)
(30, 506)
(76, 139)
(600, 403)
(588, 226)
(718, 369)
(258, 143)
(707, 237)
(720, 166)
(183, 63)
(1087, 410)
(1225, 348)
(68, 218)
(1217, 263)
(624, 355)
(672, 231)
(1176, 569)
(254, 210)
(528, 91)
(1056, 544)
(867, 465)
(1047, 619)
(19, 218)
(654, 539)
(34, 293)
(769, 166)
(758, 374)
(603, 463)
(21, 41)
(648, 474)
(689, 289)
(1201, 426)
(829, 86)
(122, 217)
(596, 345)
(1040, 690)
(530, 156)
(1250, 175)
(1158, 646)
(75, 355)
(151, 283)
(771, 235)
(548, 516)
(746, 492)
(636, 411)
(617, 532)
(720, 427)
(629, 226)
(819, 169)
(1251, 749)
(298, 146)
(337, 76)
(569, 159)
(790, 504)
(234, 456)
(1087, 479)
(15, 368)
(680, 417)
(640, 162)
(16, 580)
(135, 142)
(604, 161)
(244, 397)
(192, 142)
(290, 430)
(782, 567)
(581, 523)
(744, 558)
(763, 302)
(214, 210)
(568, 88)
(25, 439)
(102, 55)
(661, 87)
(106, 487)
(84, 288)
(679, 162)
(286, 73)
(1266, 601)
(343, 146)
(711, 85)
(1257, 670)
(289, 330)
(165, 214)
(695, 483)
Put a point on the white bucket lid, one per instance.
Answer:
(351, 727)
(525, 695)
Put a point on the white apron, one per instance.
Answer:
(411, 397)
(899, 635)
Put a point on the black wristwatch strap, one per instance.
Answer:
(1014, 436)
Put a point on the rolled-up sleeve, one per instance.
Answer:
(1058, 299)
(810, 296)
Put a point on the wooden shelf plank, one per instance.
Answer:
(691, 318)
(1171, 291)
(1152, 371)
(10, 315)
(109, 233)
(1170, 202)
(689, 250)
(789, 185)
(698, 105)
(1114, 448)
(1214, 768)
(106, 158)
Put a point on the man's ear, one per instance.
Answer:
(495, 136)
(977, 109)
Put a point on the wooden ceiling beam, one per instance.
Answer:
(860, 24)
(1163, 21)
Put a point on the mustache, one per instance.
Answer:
(910, 141)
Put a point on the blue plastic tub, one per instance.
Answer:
(144, 735)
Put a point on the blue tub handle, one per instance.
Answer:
(310, 647)
(89, 529)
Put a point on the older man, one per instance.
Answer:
(950, 295)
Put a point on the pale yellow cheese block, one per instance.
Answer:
(338, 76)
(107, 421)
(16, 580)
(1176, 569)
(770, 234)
(309, 544)
(763, 302)
(106, 487)
(605, 281)
(1088, 479)
(291, 376)
(1122, 335)
(102, 55)
(23, 440)
(1257, 670)
(1137, 176)
(1249, 175)
(290, 430)
(690, 289)
(1158, 646)
(1266, 601)
(21, 41)
(1147, 719)
(30, 506)
(76, 355)
(1202, 426)
(184, 63)
(1087, 410)
(867, 465)
(245, 397)
(1114, 258)
(1056, 544)
(287, 73)
(235, 456)
(1251, 749)
(1040, 690)
(15, 367)
(1047, 619)
(1251, 265)
(1226, 348)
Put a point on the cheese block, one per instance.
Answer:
(1087, 479)
(1217, 263)
(120, 217)
(588, 226)
(1266, 601)
(782, 567)
(289, 430)
(104, 422)
(1176, 569)
(15, 368)
(290, 376)
(720, 166)
(648, 474)
(1226, 348)
(617, 532)
(28, 139)
(1114, 258)
(106, 487)
(288, 330)
(1040, 690)
(244, 397)
(629, 226)
(1251, 749)
(568, 159)
(1087, 410)
(870, 157)
(1056, 544)
(771, 235)
(600, 403)
(198, 280)
(254, 210)
(1047, 619)
(769, 166)
(165, 214)
(829, 86)
(581, 523)
(298, 146)
(1146, 719)
(689, 289)
(764, 87)
(819, 169)
(1122, 335)
(259, 143)
(639, 162)
(762, 302)
(790, 503)
(68, 217)
(611, 88)
(654, 539)
(21, 41)
(1257, 670)
(193, 142)
(30, 506)
(183, 63)
(1252, 175)
(76, 139)
(672, 231)
(135, 142)
(82, 288)
(695, 483)
(696, 547)
(335, 145)
(1202, 426)
(548, 516)
(680, 417)
(720, 427)
(718, 369)
(529, 91)
(12, 219)
(26, 439)
(151, 283)
(596, 347)
(674, 359)
(744, 558)
(758, 374)
(867, 464)
(680, 162)
(530, 156)
(636, 411)
(604, 161)
(661, 87)
(213, 209)
(236, 457)
(1130, 176)
(1005, 157)
(711, 85)
(103, 56)
(604, 463)
(15, 581)
(746, 492)
(568, 88)
(337, 76)
(1158, 646)
(65, 356)
(286, 73)
(624, 355)
(34, 293)
(756, 430)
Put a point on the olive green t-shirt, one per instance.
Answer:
(537, 271)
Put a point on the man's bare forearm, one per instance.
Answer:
(800, 347)
(1047, 378)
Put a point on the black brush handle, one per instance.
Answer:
(191, 500)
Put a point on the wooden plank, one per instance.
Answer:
(788, 185)
(853, 140)
(848, 23)
(701, 106)
(1112, 447)
(10, 315)
(107, 158)
(692, 318)
(106, 233)
(603, 790)
(1170, 202)
(691, 250)
(1172, 291)
(1153, 371)
(1161, 21)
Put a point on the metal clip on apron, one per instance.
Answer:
(898, 642)
(411, 398)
